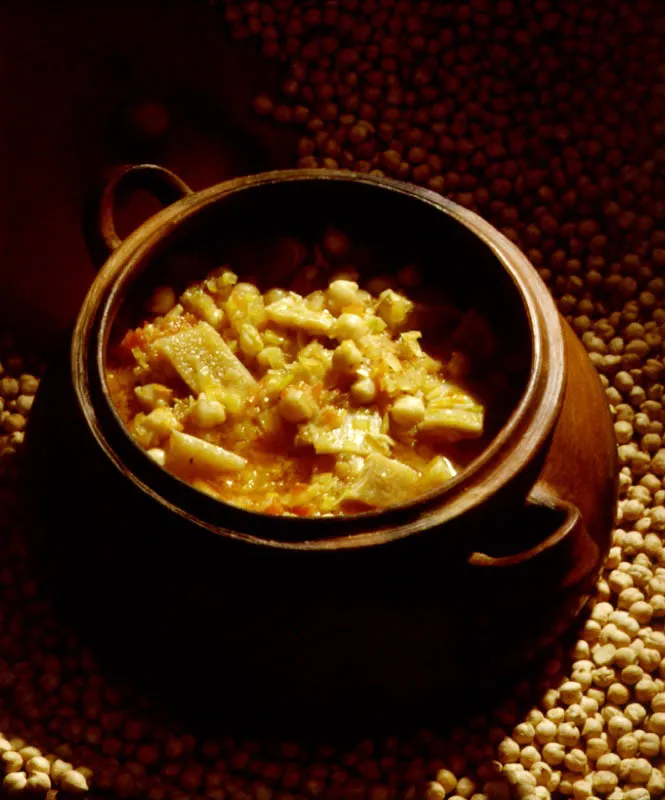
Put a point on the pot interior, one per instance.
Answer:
(267, 233)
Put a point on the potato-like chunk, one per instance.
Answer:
(204, 360)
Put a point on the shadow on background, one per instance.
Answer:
(88, 86)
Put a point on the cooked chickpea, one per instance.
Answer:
(207, 412)
(162, 300)
(74, 782)
(296, 406)
(14, 782)
(347, 356)
(363, 391)
(343, 293)
(349, 326)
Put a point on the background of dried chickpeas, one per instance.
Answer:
(548, 118)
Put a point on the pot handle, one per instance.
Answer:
(568, 551)
(99, 222)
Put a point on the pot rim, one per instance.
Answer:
(514, 445)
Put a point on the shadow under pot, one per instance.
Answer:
(365, 617)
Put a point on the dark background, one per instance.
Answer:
(76, 94)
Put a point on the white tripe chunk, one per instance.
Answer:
(359, 434)
(292, 312)
(447, 395)
(383, 482)
(468, 422)
(191, 452)
(204, 360)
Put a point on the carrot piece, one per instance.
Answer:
(275, 508)
(328, 416)
(132, 339)
(302, 511)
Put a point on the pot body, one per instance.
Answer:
(296, 636)
(264, 635)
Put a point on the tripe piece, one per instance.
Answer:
(292, 312)
(204, 360)
(466, 422)
(383, 482)
(191, 452)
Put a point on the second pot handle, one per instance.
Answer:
(568, 551)
(99, 217)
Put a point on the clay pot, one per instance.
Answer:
(371, 616)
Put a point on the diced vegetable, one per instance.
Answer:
(363, 391)
(393, 308)
(439, 471)
(407, 411)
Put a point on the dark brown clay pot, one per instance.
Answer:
(368, 617)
